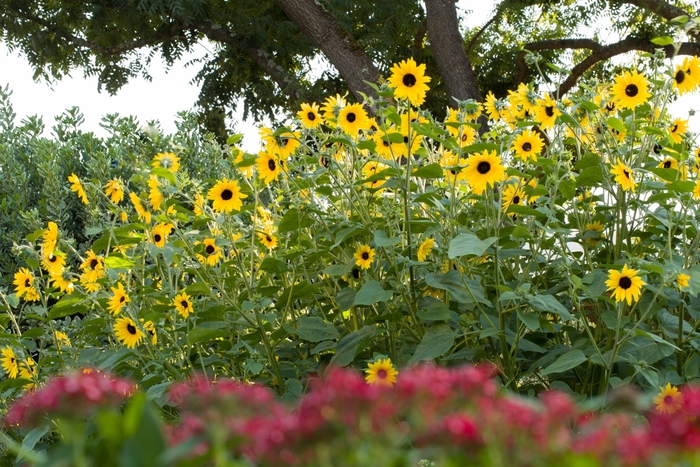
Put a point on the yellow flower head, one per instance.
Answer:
(677, 130)
(166, 160)
(683, 281)
(77, 187)
(546, 112)
(269, 166)
(118, 300)
(409, 81)
(24, 280)
(625, 284)
(310, 116)
(623, 176)
(268, 239)
(283, 145)
(381, 373)
(212, 254)
(128, 334)
(9, 362)
(155, 197)
(226, 196)
(630, 89)
(683, 79)
(483, 170)
(425, 248)
(140, 210)
(669, 400)
(115, 191)
(50, 238)
(364, 256)
(528, 145)
(182, 304)
(353, 118)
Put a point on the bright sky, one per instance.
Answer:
(162, 98)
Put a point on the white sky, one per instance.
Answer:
(162, 98)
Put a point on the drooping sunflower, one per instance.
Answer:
(115, 191)
(118, 300)
(409, 81)
(9, 362)
(594, 233)
(140, 210)
(167, 160)
(268, 239)
(546, 112)
(62, 280)
(32, 295)
(93, 267)
(310, 116)
(682, 281)
(151, 331)
(364, 256)
(682, 79)
(623, 176)
(269, 167)
(353, 118)
(625, 284)
(425, 248)
(669, 400)
(155, 197)
(482, 170)
(77, 187)
(160, 233)
(630, 89)
(226, 196)
(212, 253)
(24, 280)
(128, 334)
(491, 106)
(50, 238)
(677, 130)
(183, 304)
(528, 145)
(381, 373)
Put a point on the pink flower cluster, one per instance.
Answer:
(73, 395)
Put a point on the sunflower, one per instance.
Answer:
(155, 197)
(669, 400)
(623, 176)
(213, 252)
(166, 160)
(53, 262)
(24, 280)
(118, 299)
(140, 210)
(27, 370)
(128, 334)
(32, 295)
(183, 304)
(226, 196)
(62, 339)
(268, 239)
(246, 170)
(625, 284)
(696, 190)
(199, 204)
(282, 145)
(546, 112)
(465, 133)
(310, 116)
(269, 167)
(683, 79)
(528, 144)
(683, 281)
(93, 267)
(372, 168)
(384, 147)
(677, 130)
(160, 233)
(151, 331)
(630, 89)
(668, 163)
(77, 187)
(88, 282)
(425, 248)
(596, 233)
(353, 118)
(364, 256)
(693, 68)
(452, 167)
(381, 373)
(512, 194)
(482, 170)
(493, 107)
(115, 191)
(62, 280)
(50, 238)
(409, 81)
(9, 362)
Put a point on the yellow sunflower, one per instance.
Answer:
(630, 89)
(668, 163)
(118, 300)
(409, 81)
(482, 170)
(364, 256)
(115, 191)
(512, 194)
(63, 281)
(27, 370)
(623, 176)
(596, 229)
(425, 248)
(372, 168)
(9, 362)
(546, 112)
(384, 147)
(166, 160)
(24, 280)
(269, 167)
(93, 267)
(140, 210)
(528, 145)
(310, 116)
(381, 373)
(183, 304)
(283, 145)
(50, 238)
(199, 204)
(669, 400)
(492, 106)
(625, 284)
(226, 196)
(332, 106)
(32, 295)
(151, 331)
(268, 239)
(452, 167)
(88, 282)
(212, 252)
(62, 339)
(53, 263)
(77, 187)
(682, 281)
(353, 118)
(128, 334)
(160, 233)
(683, 80)
(696, 190)
(677, 130)
(693, 68)
(155, 197)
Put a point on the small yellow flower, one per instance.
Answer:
(669, 400)
(425, 248)
(115, 191)
(381, 373)
(625, 284)
(183, 304)
(77, 187)
(682, 281)
(364, 256)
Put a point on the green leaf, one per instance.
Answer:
(469, 244)
(233, 139)
(548, 304)
(458, 287)
(146, 444)
(569, 360)
(345, 298)
(437, 340)
(521, 232)
(68, 305)
(31, 439)
(590, 176)
(568, 189)
(293, 220)
(694, 282)
(429, 171)
(349, 345)
(680, 186)
(338, 270)
(315, 329)
(198, 288)
(662, 40)
(208, 331)
(616, 124)
(380, 239)
(371, 293)
(530, 320)
(119, 262)
(437, 311)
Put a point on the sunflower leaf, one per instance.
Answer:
(347, 346)
(569, 360)
(469, 244)
(437, 340)
(371, 293)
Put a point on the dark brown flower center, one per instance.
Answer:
(527, 147)
(93, 263)
(311, 116)
(549, 110)
(131, 329)
(52, 259)
(365, 255)
(405, 139)
(210, 249)
(268, 239)
(625, 282)
(516, 199)
(464, 137)
(667, 165)
(631, 90)
(271, 165)
(324, 161)
(184, 304)
(657, 149)
(386, 144)
(483, 168)
(121, 299)
(409, 80)
(157, 238)
(680, 76)
(283, 142)
(351, 117)
(356, 273)
(610, 106)
(674, 128)
(627, 174)
(27, 282)
(226, 194)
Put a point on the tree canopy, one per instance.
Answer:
(275, 54)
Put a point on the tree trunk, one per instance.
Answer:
(337, 45)
(446, 43)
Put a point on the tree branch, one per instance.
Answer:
(493, 19)
(599, 53)
(663, 9)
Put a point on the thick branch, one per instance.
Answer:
(337, 45)
(663, 9)
(446, 43)
(599, 54)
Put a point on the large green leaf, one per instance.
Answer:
(569, 360)
(371, 293)
(437, 340)
(350, 344)
(315, 329)
(467, 244)
(548, 304)
(68, 305)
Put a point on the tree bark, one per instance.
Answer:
(446, 43)
(337, 45)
